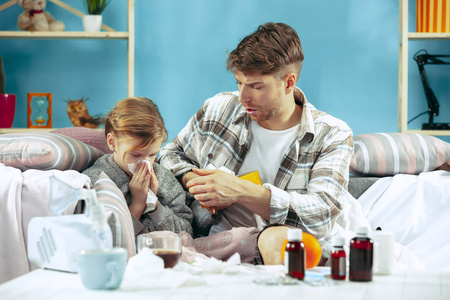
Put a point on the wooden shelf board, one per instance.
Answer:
(429, 132)
(64, 35)
(429, 36)
(18, 130)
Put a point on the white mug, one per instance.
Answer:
(383, 254)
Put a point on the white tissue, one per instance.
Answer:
(132, 167)
(145, 270)
(151, 197)
(210, 166)
(145, 263)
(215, 266)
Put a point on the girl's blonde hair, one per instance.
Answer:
(138, 117)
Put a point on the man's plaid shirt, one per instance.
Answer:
(314, 172)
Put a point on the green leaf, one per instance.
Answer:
(95, 7)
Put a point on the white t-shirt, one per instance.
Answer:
(267, 148)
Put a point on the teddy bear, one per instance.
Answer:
(34, 18)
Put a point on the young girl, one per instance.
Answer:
(134, 132)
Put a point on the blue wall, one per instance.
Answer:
(350, 68)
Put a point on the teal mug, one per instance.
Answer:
(102, 269)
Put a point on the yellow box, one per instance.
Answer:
(253, 177)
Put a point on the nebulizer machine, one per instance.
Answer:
(54, 241)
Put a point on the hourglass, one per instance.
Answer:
(39, 110)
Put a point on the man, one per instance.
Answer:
(301, 154)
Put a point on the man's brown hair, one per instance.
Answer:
(269, 49)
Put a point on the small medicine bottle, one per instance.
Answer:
(361, 256)
(294, 255)
(338, 259)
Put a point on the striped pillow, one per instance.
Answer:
(93, 137)
(119, 216)
(46, 151)
(387, 154)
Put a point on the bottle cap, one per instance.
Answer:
(338, 241)
(295, 234)
(362, 230)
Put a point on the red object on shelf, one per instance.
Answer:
(7, 110)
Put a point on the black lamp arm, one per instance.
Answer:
(422, 60)
(433, 104)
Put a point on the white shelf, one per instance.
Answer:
(404, 37)
(108, 34)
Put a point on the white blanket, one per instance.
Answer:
(417, 209)
(24, 196)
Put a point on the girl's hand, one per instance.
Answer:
(139, 187)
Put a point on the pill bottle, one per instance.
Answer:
(338, 259)
(361, 256)
(294, 255)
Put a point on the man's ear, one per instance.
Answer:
(111, 141)
(290, 81)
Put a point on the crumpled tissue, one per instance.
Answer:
(215, 266)
(210, 166)
(151, 197)
(146, 270)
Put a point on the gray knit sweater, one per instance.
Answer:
(172, 214)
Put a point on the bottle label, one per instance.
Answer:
(286, 262)
(342, 266)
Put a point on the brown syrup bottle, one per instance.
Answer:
(294, 256)
(361, 256)
(338, 259)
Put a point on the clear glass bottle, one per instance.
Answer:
(338, 259)
(294, 255)
(361, 255)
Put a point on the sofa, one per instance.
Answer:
(28, 160)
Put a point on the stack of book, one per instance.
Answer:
(433, 16)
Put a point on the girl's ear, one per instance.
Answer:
(111, 141)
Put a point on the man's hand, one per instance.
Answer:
(218, 189)
(188, 176)
(214, 188)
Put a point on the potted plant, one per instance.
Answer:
(92, 21)
(7, 101)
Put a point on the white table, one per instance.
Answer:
(45, 284)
